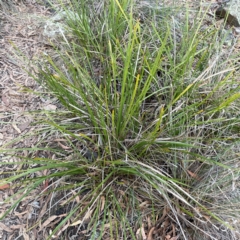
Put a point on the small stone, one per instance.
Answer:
(230, 11)
(230, 19)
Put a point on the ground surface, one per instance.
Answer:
(20, 28)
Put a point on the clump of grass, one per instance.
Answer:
(148, 126)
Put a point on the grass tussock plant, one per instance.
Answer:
(150, 120)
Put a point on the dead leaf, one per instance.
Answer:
(20, 214)
(50, 107)
(103, 203)
(149, 223)
(193, 175)
(45, 185)
(167, 237)
(17, 227)
(76, 223)
(143, 204)
(4, 186)
(16, 128)
(173, 229)
(207, 217)
(138, 233)
(165, 212)
(5, 228)
(108, 225)
(174, 238)
(144, 237)
(63, 229)
(88, 215)
(63, 146)
(77, 198)
(25, 235)
(49, 220)
(44, 207)
(150, 234)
